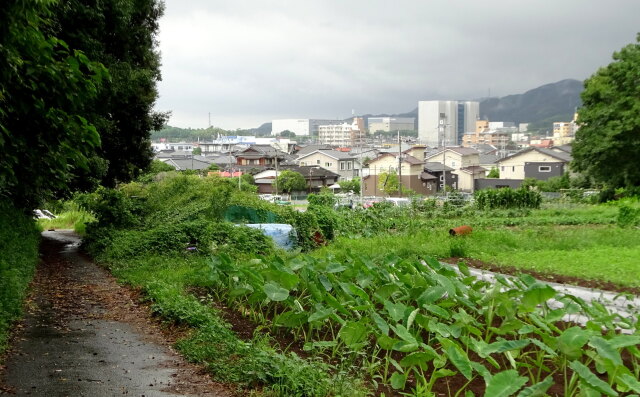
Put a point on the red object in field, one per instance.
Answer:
(460, 230)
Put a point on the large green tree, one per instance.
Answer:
(607, 145)
(45, 137)
(290, 181)
(121, 34)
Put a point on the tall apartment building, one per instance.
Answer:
(300, 126)
(440, 121)
(343, 134)
(391, 124)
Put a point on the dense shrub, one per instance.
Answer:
(19, 240)
(489, 199)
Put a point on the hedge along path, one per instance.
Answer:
(86, 335)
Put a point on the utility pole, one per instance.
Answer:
(276, 173)
(399, 166)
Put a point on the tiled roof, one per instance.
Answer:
(435, 167)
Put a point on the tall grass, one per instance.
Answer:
(72, 217)
(19, 240)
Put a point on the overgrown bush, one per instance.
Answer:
(489, 199)
(19, 240)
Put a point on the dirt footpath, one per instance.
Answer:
(84, 335)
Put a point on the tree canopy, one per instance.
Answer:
(121, 34)
(45, 136)
(289, 181)
(607, 145)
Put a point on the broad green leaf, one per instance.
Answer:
(291, 319)
(464, 269)
(460, 360)
(404, 334)
(438, 311)
(445, 283)
(333, 302)
(405, 347)
(353, 334)
(505, 384)
(631, 382)
(482, 370)
(335, 268)
(431, 295)
(386, 342)
(380, 323)
(536, 295)
(571, 341)
(505, 345)
(544, 347)
(325, 282)
(385, 291)
(605, 350)
(592, 380)
(321, 344)
(619, 341)
(398, 380)
(396, 310)
(320, 314)
(419, 359)
(537, 390)
(275, 292)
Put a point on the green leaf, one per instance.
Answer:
(619, 341)
(398, 380)
(431, 295)
(380, 323)
(412, 318)
(505, 383)
(445, 283)
(464, 269)
(419, 359)
(631, 382)
(536, 295)
(321, 313)
(592, 380)
(537, 390)
(460, 360)
(404, 334)
(605, 350)
(571, 341)
(353, 334)
(275, 292)
(396, 310)
(505, 345)
(438, 311)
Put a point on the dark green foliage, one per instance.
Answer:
(494, 173)
(323, 199)
(19, 240)
(607, 144)
(628, 215)
(352, 185)
(45, 136)
(290, 181)
(489, 199)
(122, 35)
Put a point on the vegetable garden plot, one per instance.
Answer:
(418, 327)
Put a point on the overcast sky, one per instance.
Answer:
(250, 61)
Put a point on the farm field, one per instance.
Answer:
(364, 306)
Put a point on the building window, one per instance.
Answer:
(342, 166)
(544, 168)
(348, 165)
(441, 178)
(328, 165)
(318, 162)
(453, 163)
(513, 169)
(502, 168)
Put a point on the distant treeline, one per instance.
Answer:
(176, 134)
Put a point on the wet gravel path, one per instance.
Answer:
(84, 335)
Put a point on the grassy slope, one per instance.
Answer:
(19, 240)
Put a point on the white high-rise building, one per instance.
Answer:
(446, 120)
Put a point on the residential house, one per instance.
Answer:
(341, 163)
(455, 157)
(260, 155)
(316, 177)
(411, 170)
(534, 162)
(467, 177)
(436, 174)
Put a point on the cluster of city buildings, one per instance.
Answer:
(454, 148)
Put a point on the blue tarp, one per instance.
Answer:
(282, 234)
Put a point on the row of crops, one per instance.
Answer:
(419, 326)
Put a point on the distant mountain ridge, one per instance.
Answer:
(545, 104)
(540, 106)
